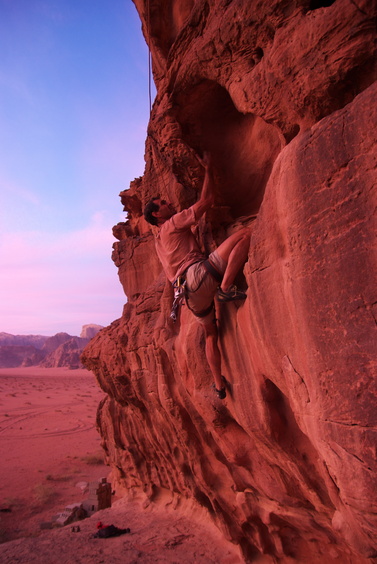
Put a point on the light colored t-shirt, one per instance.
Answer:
(176, 245)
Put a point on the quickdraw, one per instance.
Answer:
(179, 286)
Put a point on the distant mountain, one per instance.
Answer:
(54, 342)
(66, 354)
(36, 341)
(15, 355)
(37, 350)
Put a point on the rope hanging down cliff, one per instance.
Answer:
(149, 58)
(154, 144)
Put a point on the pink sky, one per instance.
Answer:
(74, 110)
(52, 282)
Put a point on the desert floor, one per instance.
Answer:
(49, 446)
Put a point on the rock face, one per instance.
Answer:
(283, 96)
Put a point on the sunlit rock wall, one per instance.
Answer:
(283, 95)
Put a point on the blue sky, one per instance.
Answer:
(74, 110)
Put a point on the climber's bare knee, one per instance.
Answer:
(210, 328)
(240, 237)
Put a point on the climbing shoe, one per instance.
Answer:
(221, 393)
(231, 295)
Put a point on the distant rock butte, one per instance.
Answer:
(36, 350)
(283, 95)
(89, 331)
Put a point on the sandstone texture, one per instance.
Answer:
(283, 95)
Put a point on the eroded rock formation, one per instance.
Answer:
(283, 96)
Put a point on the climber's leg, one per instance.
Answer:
(213, 356)
(234, 252)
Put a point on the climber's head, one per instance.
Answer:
(157, 211)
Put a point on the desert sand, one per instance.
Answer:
(49, 445)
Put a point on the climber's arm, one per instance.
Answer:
(207, 196)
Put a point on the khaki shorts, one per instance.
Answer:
(202, 286)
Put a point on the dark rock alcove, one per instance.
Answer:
(243, 146)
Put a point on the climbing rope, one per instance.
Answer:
(149, 56)
(154, 143)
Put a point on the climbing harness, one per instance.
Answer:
(212, 270)
(181, 292)
(179, 286)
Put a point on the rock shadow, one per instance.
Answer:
(243, 146)
(285, 430)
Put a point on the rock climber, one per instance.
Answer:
(186, 266)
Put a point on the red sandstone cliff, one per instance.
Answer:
(283, 94)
